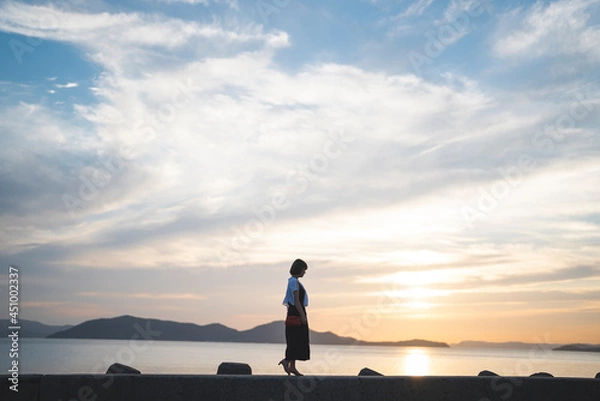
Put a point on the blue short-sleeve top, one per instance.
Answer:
(292, 286)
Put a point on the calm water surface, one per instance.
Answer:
(52, 356)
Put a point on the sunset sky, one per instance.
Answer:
(436, 163)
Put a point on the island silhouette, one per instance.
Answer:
(129, 327)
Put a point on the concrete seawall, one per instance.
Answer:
(148, 387)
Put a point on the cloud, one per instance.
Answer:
(197, 150)
(67, 85)
(204, 2)
(557, 28)
(231, 3)
(457, 7)
(135, 29)
(416, 8)
(243, 131)
(131, 40)
(178, 296)
(575, 273)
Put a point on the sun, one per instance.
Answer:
(416, 363)
(416, 298)
(416, 289)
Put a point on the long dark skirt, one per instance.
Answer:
(298, 347)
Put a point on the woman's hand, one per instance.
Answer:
(299, 306)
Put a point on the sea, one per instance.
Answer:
(75, 356)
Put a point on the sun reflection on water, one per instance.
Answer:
(416, 363)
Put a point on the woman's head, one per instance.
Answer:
(298, 268)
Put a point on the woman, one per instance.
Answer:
(296, 324)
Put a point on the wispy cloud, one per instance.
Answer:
(140, 29)
(550, 29)
(231, 3)
(67, 85)
(416, 8)
(204, 2)
(178, 296)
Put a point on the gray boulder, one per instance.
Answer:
(541, 374)
(368, 372)
(119, 368)
(234, 368)
(487, 373)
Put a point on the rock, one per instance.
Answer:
(541, 374)
(119, 368)
(234, 368)
(487, 373)
(368, 372)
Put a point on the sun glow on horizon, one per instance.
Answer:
(416, 363)
(420, 278)
(417, 297)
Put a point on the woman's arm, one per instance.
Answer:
(299, 306)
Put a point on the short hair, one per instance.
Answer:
(297, 267)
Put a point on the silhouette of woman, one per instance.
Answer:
(296, 323)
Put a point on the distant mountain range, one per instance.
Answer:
(521, 345)
(131, 327)
(508, 344)
(579, 347)
(31, 328)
